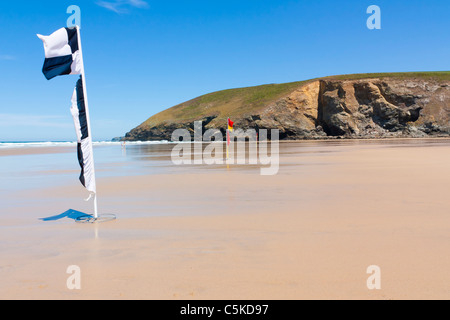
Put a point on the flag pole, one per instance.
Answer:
(83, 80)
(228, 151)
(228, 139)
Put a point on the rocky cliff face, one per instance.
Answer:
(329, 108)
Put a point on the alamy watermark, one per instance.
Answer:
(75, 16)
(374, 21)
(74, 280)
(374, 280)
(241, 147)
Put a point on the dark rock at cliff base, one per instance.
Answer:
(405, 105)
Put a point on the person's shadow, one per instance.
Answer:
(70, 214)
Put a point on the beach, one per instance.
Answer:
(215, 232)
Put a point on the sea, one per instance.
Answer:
(33, 165)
(28, 144)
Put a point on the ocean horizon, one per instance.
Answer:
(25, 144)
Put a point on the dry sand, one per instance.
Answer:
(309, 232)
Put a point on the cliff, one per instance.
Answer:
(350, 106)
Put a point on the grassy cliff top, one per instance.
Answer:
(241, 101)
(234, 102)
(433, 75)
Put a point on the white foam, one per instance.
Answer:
(7, 145)
(10, 145)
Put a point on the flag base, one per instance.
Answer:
(101, 218)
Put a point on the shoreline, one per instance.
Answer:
(44, 148)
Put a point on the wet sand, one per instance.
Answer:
(200, 232)
(34, 150)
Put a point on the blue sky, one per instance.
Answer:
(142, 57)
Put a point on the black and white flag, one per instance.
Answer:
(62, 55)
(85, 156)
